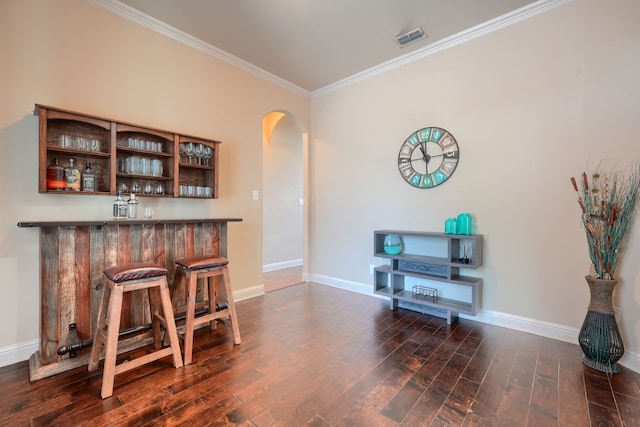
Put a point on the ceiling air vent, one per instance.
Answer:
(410, 37)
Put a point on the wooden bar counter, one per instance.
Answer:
(73, 255)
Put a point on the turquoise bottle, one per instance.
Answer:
(451, 226)
(464, 224)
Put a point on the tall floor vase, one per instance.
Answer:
(599, 337)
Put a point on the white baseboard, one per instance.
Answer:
(18, 352)
(537, 327)
(247, 293)
(342, 284)
(280, 265)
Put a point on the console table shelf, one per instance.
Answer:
(434, 258)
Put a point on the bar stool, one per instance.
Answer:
(127, 278)
(207, 268)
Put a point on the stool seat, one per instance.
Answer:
(207, 268)
(127, 278)
(139, 270)
(204, 261)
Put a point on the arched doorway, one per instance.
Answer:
(283, 200)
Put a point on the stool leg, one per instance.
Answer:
(101, 327)
(212, 299)
(231, 304)
(170, 323)
(154, 307)
(113, 328)
(190, 316)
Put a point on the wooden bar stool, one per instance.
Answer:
(127, 278)
(207, 268)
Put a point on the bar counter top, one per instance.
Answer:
(25, 224)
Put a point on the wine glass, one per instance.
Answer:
(199, 152)
(208, 153)
(189, 150)
(183, 151)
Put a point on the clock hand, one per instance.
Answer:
(424, 154)
(425, 157)
(440, 155)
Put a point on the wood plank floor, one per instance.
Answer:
(278, 279)
(319, 356)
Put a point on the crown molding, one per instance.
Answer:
(487, 27)
(165, 29)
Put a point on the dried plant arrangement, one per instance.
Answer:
(608, 199)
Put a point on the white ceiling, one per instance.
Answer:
(316, 43)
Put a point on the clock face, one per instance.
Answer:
(428, 157)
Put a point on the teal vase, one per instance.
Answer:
(464, 224)
(450, 226)
(599, 337)
(392, 244)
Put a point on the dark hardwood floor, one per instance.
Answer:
(319, 356)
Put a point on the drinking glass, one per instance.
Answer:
(156, 167)
(82, 143)
(148, 188)
(145, 166)
(159, 188)
(148, 213)
(65, 141)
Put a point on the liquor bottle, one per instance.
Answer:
(72, 177)
(88, 178)
(120, 207)
(55, 176)
(132, 207)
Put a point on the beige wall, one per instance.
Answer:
(75, 55)
(530, 105)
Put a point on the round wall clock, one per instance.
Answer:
(428, 157)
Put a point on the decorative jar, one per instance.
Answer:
(392, 244)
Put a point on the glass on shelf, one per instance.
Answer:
(80, 143)
(208, 154)
(144, 144)
(140, 166)
(195, 191)
(190, 150)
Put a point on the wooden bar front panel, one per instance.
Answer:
(74, 257)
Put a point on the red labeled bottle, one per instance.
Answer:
(55, 176)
